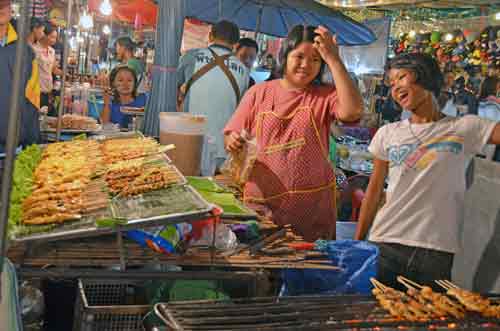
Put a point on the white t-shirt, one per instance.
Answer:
(426, 180)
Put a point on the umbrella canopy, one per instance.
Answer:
(277, 17)
(167, 51)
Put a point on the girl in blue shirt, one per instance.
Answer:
(123, 81)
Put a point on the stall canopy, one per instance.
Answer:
(272, 17)
(130, 11)
(277, 17)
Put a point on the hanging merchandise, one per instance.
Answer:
(39, 8)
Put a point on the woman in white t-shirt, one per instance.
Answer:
(423, 159)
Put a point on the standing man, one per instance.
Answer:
(246, 50)
(29, 127)
(212, 80)
(29, 130)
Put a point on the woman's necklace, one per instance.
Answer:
(424, 133)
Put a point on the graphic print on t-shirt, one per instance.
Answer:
(419, 157)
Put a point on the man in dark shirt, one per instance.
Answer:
(29, 129)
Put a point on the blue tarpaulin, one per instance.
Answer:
(167, 51)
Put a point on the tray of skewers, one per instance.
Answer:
(80, 188)
(421, 303)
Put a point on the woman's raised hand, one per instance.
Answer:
(326, 44)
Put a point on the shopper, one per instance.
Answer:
(29, 128)
(47, 66)
(125, 48)
(293, 180)
(212, 80)
(123, 93)
(489, 104)
(37, 31)
(246, 50)
(423, 160)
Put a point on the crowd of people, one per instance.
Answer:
(422, 157)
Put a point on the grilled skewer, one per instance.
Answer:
(472, 301)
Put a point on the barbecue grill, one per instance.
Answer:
(348, 312)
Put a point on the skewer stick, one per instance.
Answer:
(378, 284)
(409, 283)
(443, 284)
(450, 284)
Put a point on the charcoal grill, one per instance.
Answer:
(352, 312)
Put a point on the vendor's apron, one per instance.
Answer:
(292, 176)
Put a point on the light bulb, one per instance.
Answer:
(106, 8)
(497, 16)
(412, 33)
(448, 37)
(106, 29)
(86, 21)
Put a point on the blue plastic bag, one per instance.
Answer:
(357, 260)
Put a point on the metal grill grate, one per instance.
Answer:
(109, 306)
(302, 313)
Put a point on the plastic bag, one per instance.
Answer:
(168, 239)
(357, 261)
(32, 304)
(239, 165)
(225, 239)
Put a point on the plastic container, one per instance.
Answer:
(345, 230)
(95, 107)
(187, 133)
(208, 159)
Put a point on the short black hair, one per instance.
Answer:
(297, 35)
(126, 42)
(36, 23)
(226, 31)
(426, 69)
(115, 72)
(247, 42)
(49, 28)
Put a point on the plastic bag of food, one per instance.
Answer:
(239, 165)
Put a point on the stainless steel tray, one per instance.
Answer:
(88, 228)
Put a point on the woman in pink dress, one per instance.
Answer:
(293, 180)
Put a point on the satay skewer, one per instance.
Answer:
(439, 304)
(472, 301)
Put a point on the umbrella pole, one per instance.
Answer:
(12, 132)
(65, 70)
(259, 21)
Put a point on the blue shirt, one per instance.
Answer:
(121, 119)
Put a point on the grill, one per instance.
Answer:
(359, 313)
(113, 305)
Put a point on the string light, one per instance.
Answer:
(106, 29)
(86, 20)
(106, 9)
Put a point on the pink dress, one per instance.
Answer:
(292, 179)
